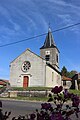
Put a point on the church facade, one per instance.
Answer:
(32, 70)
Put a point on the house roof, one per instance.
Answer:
(49, 41)
(66, 78)
(76, 76)
(3, 82)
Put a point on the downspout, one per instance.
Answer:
(45, 76)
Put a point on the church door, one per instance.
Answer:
(25, 81)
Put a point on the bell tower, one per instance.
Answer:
(49, 51)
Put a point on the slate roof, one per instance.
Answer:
(76, 76)
(49, 41)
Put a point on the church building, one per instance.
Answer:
(32, 70)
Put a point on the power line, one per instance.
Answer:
(63, 28)
(66, 27)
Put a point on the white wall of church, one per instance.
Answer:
(52, 77)
(36, 73)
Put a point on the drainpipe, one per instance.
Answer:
(45, 76)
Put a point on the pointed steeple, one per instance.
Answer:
(49, 50)
(49, 41)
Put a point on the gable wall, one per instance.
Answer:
(36, 73)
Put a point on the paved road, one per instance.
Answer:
(19, 107)
(23, 107)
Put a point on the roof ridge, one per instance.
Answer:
(28, 49)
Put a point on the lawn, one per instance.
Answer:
(38, 89)
(75, 91)
(32, 88)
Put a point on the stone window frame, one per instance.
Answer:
(26, 65)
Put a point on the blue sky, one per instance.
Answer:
(21, 19)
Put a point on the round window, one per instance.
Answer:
(26, 66)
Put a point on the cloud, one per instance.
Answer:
(15, 25)
(66, 18)
(67, 13)
(26, 11)
(20, 19)
(31, 16)
(58, 2)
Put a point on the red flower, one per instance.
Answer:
(32, 116)
(46, 106)
(60, 89)
(76, 101)
(56, 89)
(56, 116)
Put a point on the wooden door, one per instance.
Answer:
(25, 81)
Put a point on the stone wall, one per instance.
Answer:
(29, 93)
(53, 56)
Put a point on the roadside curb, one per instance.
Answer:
(21, 100)
(69, 102)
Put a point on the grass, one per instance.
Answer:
(42, 88)
(42, 99)
(75, 92)
(38, 89)
(31, 88)
(33, 98)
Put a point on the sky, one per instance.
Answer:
(22, 19)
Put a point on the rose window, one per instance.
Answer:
(26, 66)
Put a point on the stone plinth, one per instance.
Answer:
(12, 94)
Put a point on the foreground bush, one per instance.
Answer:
(48, 112)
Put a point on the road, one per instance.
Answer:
(19, 107)
(23, 107)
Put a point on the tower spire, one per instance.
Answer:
(49, 50)
(49, 41)
(49, 27)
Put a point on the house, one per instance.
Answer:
(76, 81)
(66, 82)
(32, 70)
(3, 82)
